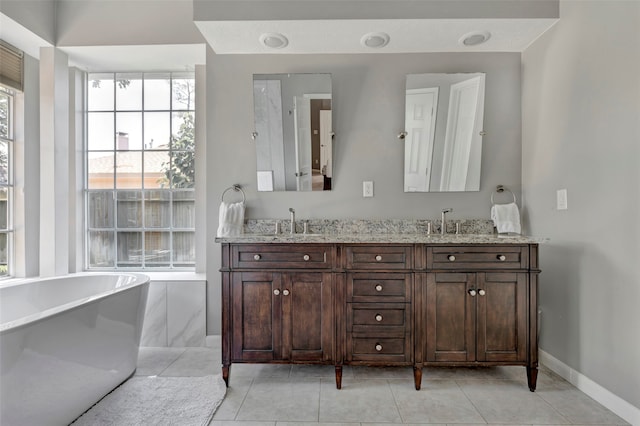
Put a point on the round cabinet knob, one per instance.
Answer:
(502, 258)
(378, 258)
(378, 347)
(276, 292)
(378, 317)
(285, 292)
(306, 257)
(257, 257)
(451, 258)
(472, 292)
(482, 292)
(379, 287)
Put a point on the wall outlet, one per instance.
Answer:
(367, 189)
(561, 199)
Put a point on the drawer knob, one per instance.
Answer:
(378, 258)
(276, 292)
(379, 287)
(472, 292)
(378, 317)
(378, 347)
(306, 257)
(257, 257)
(482, 292)
(451, 258)
(285, 292)
(502, 257)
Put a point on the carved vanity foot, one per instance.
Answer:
(225, 374)
(338, 377)
(417, 377)
(532, 377)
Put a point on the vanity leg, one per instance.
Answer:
(417, 377)
(532, 377)
(338, 377)
(225, 374)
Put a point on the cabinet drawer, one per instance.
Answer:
(378, 287)
(380, 350)
(378, 319)
(286, 256)
(378, 257)
(477, 257)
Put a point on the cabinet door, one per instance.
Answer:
(307, 316)
(502, 316)
(256, 319)
(450, 317)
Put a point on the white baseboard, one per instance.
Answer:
(605, 397)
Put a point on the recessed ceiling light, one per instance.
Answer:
(375, 40)
(274, 40)
(475, 38)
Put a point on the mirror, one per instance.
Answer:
(293, 131)
(443, 132)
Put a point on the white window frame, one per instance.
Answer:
(10, 141)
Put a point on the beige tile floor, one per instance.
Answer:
(298, 395)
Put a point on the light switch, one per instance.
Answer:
(561, 199)
(367, 189)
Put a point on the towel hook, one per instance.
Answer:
(236, 187)
(500, 189)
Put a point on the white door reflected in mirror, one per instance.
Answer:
(444, 127)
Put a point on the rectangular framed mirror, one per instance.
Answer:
(443, 132)
(293, 132)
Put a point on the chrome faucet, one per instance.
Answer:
(293, 220)
(443, 225)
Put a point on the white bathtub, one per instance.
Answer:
(65, 342)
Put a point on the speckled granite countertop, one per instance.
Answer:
(381, 238)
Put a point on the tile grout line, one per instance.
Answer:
(470, 401)
(395, 401)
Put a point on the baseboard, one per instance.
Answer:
(605, 397)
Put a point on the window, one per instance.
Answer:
(6, 179)
(140, 171)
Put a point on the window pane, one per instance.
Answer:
(157, 91)
(4, 254)
(183, 131)
(100, 130)
(183, 93)
(130, 249)
(4, 209)
(128, 92)
(157, 209)
(100, 173)
(101, 249)
(5, 120)
(156, 130)
(4, 163)
(101, 209)
(128, 130)
(182, 169)
(184, 212)
(128, 169)
(156, 169)
(184, 252)
(100, 93)
(129, 209)
(157, 248)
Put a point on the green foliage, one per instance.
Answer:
(180, 172)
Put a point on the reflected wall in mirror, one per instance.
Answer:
(294, 144)
(443, 124)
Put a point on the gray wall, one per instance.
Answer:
(581, 131)
(368, 105)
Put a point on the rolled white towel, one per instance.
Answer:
(506, 218)
(231, 219)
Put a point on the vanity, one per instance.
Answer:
(380, 300)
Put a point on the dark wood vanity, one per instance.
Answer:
(380, 304)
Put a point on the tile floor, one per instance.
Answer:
(298, 395)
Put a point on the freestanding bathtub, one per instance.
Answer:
(65, 342)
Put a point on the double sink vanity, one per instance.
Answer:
(386, 295)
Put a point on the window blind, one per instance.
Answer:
(11, 66)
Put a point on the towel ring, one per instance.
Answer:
(501, 189)
(236, 188)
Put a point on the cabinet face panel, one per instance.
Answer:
(475, 258)
(255, 314)
(378, 257)
(378, 287)
(450, 321)
(269, 256)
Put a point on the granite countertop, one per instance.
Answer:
(399, 238)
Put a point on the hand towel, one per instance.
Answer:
(231, 219)
(506, 218)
